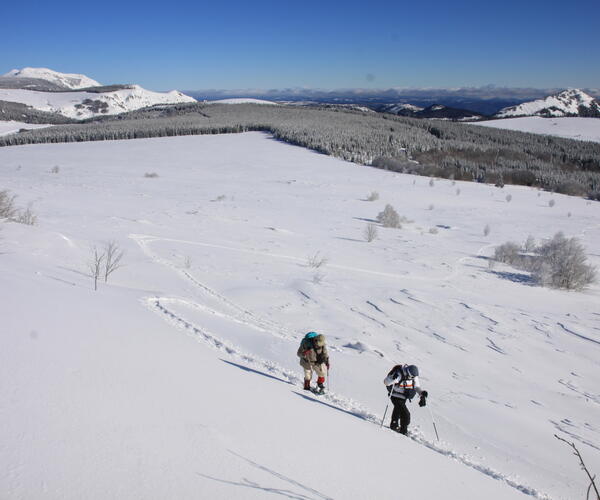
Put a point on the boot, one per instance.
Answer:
(307, 385)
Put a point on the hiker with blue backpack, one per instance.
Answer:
(403, 384)
(314, 357)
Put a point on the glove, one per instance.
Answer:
(328, 366)
(423, 399)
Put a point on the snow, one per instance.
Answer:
(564, 103)
(179, 379)
(66, 103)
(242, 100)
(68, 80)
(584, 129)
(12, 127)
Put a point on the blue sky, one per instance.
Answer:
(316, 44)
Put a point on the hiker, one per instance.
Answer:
(403, 383)
(313, 356)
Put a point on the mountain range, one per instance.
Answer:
(76, 97)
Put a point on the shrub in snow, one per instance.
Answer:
(508, 198)
(433, 230)
(373, 196)
(551, 203)
(389, 217)
(187, 262)
(569, 214)
(508, 253)
(457, 191)
(25, 216)
(431, 183)
(55, 169)
(431, 206)
(316, 261)
(370, 232)
(7, 205)
(221, 197)
(562, 263)
(486, 230)
(558, 263)
(150, 175)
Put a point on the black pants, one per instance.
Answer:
(400, 412)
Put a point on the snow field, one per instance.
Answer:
(583, 129)
(217, 246)
(12, 127)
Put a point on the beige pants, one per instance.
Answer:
(320, 369)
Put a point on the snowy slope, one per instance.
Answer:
(66, 80)
(82, 105)
(179, 379)
(12, 127)
(566, 103)
(583, 129)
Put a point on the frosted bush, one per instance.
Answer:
(389, 217)
(7, 205)
(562, 263)
(373, 196)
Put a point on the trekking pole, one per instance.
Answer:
(433, 422)
(386, 408)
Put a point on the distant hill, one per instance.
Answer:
(572, 102)
(437, 111)
(74, 96)
(64, 80)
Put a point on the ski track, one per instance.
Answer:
(158, 305)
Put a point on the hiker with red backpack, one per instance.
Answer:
(403, 384)
(314, 357)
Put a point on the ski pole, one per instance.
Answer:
(433, 422)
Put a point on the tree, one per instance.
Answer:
(113, 255)
(95, 265)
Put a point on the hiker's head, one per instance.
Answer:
(411, 371)
(320, 340)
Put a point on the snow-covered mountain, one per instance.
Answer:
(81, 105)
(571, 102)
(66, 80)
(401, 108)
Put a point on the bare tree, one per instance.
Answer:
(370, 232)
(591, 478)
(95, 265)
(113, 258)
